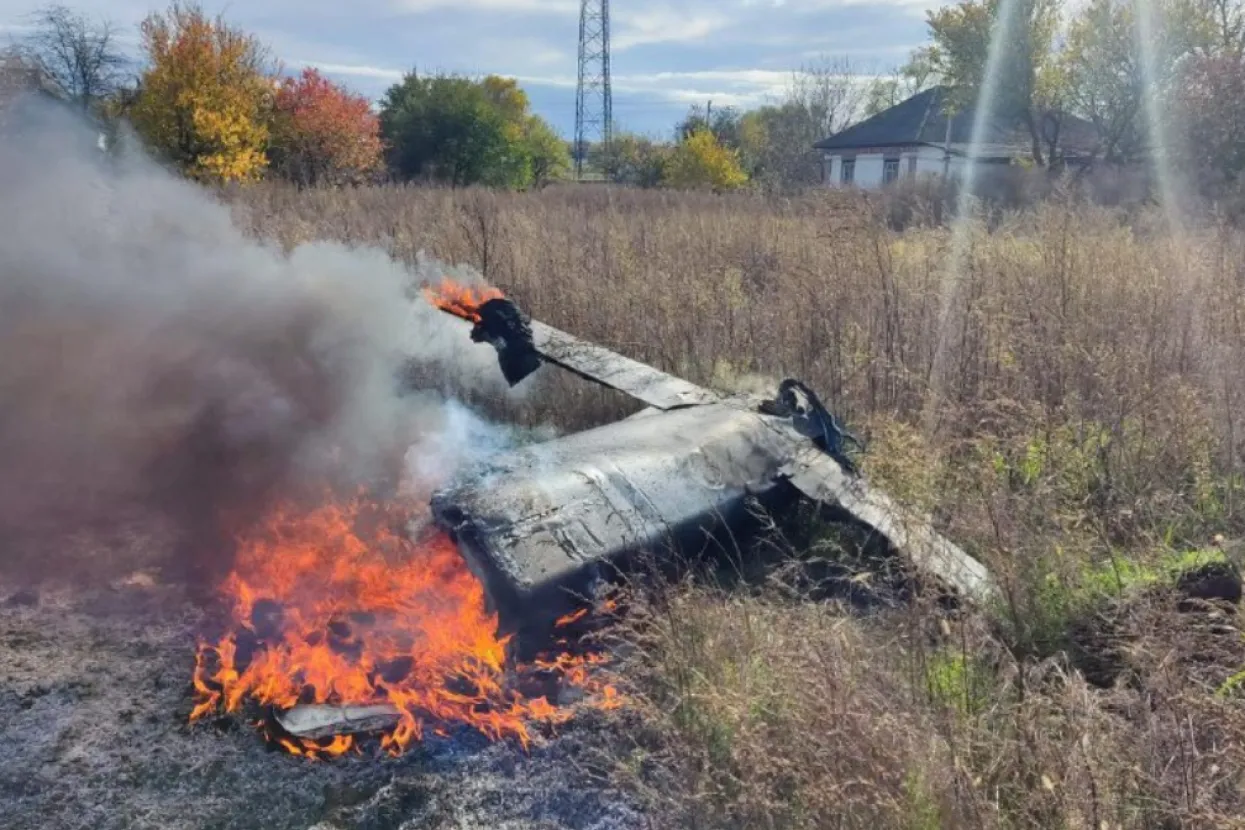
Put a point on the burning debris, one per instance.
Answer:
(150, 353)
(189, 412)
(342, 625)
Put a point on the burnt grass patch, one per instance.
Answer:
(95, 696)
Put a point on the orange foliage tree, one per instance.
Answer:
(203, 101)
(322, 133)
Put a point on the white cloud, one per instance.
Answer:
(664, 25)
(742, 88)
(553, 7)
(352, 71)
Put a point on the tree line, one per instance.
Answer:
(210, 99)
(723, 148)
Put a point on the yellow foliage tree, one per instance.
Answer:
(204, 99)
(700, 161)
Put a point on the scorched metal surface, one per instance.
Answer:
(537, 525)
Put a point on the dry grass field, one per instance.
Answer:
(1066, 406)
(1063, 404)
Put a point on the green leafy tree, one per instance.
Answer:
(1104, 63)
(700, 161)
(632, 160)
(465, 132)
(549, 157)
(899, 85)
(723, 122)
(1107, 85)
(1032, 82)
(445, 128)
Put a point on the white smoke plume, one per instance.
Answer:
(150, 352)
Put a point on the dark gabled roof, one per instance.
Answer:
(921, 120)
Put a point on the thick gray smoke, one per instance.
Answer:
(150, 353)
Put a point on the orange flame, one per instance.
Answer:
(460, 300)
(335, 606)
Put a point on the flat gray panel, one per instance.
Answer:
(820, 477)
(643, 382)
(539, 521)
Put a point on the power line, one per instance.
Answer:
(594, 105)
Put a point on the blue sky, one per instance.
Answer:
(665, 55)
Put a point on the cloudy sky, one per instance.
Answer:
(666, 55)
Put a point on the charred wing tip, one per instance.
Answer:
(509, 330)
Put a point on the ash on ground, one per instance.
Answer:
(94, 699)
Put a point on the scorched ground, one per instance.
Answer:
(95, 698)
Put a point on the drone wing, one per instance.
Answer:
(823, 479)
(523, 344)
(597, 363)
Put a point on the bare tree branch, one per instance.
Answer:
(79, 54)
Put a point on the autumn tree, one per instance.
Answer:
(1205, 99)
(322, 133)
(539, 155)
(700, 161)
(204, 100)
(464, 132)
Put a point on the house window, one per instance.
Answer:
(847, 173)
(911, 166)
(890, 170)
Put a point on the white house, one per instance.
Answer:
(916, 138)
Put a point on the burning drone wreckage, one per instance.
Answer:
(516, 551)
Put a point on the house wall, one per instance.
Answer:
(933, 161)
(929, 161)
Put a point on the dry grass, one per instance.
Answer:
(1083, 423)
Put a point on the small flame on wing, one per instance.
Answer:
(460, 300)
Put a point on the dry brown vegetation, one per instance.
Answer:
(1079, 434)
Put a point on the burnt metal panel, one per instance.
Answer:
(522, 343)
(822, 479)
(542, 523)
(641, 381)
(323, 720)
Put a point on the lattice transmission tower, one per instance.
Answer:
(594, 104)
